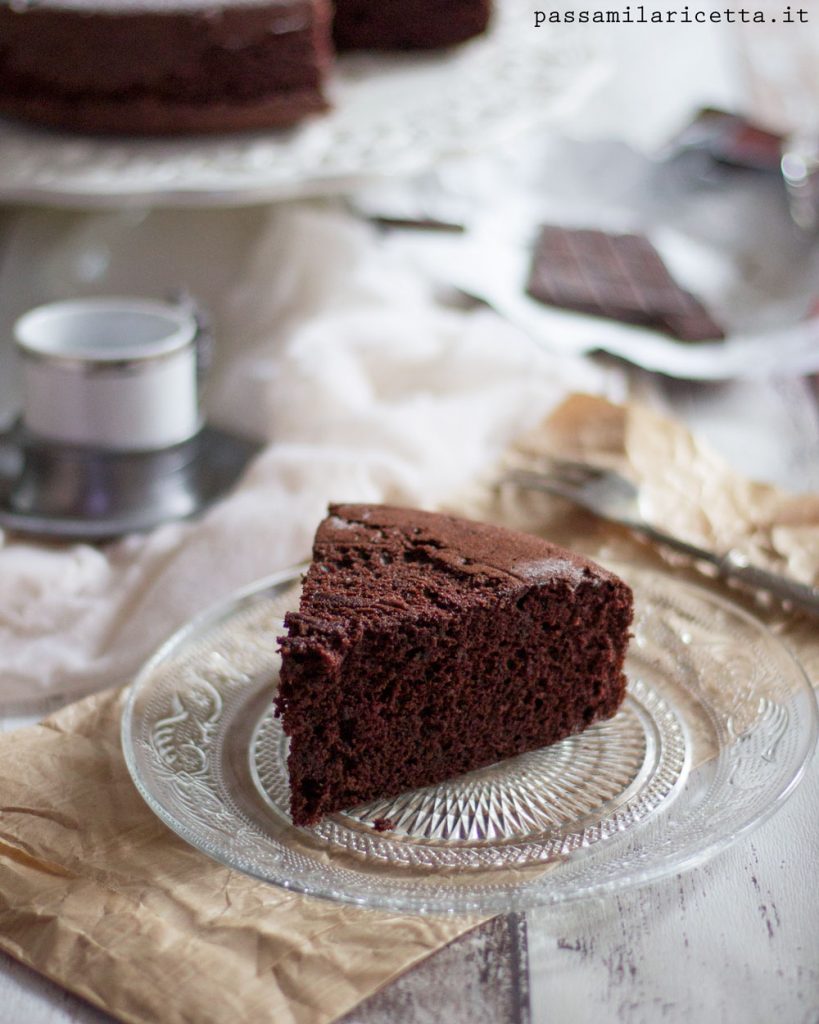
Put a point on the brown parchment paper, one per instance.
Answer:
(100, 896)
(97, 894)
(685, 489)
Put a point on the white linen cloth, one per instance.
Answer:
(328, 345)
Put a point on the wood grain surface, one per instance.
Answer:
(734, 940)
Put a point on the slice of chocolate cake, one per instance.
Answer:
(426, 646)
(408, 24)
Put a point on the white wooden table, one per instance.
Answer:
(737, 939)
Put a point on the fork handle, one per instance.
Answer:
(736, 566)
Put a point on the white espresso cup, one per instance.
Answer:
(113, 374)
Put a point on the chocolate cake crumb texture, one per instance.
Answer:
(426, 646)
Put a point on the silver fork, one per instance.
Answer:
(612, 497)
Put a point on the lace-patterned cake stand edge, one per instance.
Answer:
(716, 732)
(387, 121)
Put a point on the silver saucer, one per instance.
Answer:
(74, 493)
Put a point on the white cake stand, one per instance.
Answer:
(393, 115)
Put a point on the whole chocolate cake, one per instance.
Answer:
(426, 646)
(175, 66)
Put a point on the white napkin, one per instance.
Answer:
(726, 238)
(331, 347)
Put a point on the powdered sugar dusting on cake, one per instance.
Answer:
(338, 523)
(546, 569)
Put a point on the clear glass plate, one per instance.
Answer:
(715, 733)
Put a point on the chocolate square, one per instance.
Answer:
(620, 277)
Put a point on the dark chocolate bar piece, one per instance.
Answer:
(621, 277)
(732, 139)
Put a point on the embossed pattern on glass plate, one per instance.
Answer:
(388, 120)
(717, 728)
(529, 809)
